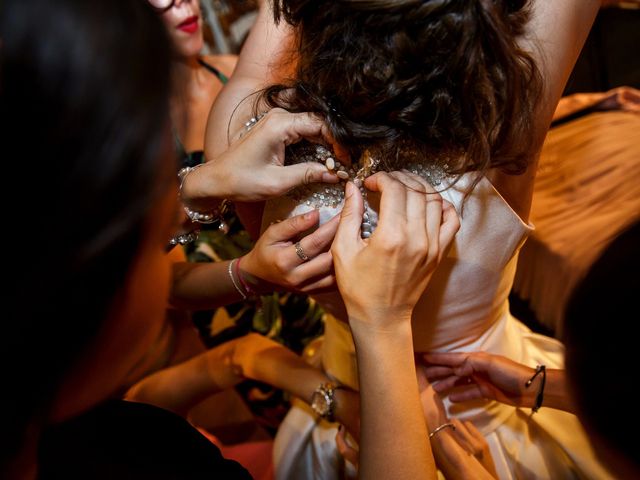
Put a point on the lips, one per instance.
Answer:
(190, 25)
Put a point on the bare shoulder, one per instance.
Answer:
(224, 63)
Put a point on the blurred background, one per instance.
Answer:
(227, 24)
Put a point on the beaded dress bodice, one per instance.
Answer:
(329, 198)
(468, 293)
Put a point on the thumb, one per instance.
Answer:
(351, 218)
(292, 176)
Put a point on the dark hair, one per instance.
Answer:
(443, 77)
(601, 336)
(84, 117)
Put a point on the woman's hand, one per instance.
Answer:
(476, 375)
(275, 261)
(347, 447)
(381, 279)
(452, 446)
(252, 169)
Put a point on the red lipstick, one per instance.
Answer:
(190, 25)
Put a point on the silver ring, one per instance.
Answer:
(300, 252)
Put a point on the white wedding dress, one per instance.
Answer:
(465, 308)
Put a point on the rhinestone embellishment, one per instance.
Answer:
(332, 195)
(319, 195)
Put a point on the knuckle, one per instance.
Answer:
(394, 185)
(295, 279)
(271, 190)
(336, 256)
(316, 242)
(412, 182)
(430, 189)
(280, 263)
(421, 246)
(392, 242)
(434, 197)
(477, 450)
(420, 188)
(296, 223)
(432, 256)
(271, 125)
(310, 176)
(480, 355)
(425, 185)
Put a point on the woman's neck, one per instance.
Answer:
(192, 100)
(188, 72)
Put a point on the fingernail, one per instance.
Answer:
(309, 215)
(329, 177)
(348, 191)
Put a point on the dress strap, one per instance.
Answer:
(221, 76)
(187, 159)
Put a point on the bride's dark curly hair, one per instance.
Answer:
(443, 77)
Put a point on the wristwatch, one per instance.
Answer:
(323, 400)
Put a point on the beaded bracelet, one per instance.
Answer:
(252, 123)
(183, 239)
(202, 217)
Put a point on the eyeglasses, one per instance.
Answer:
(162, 5)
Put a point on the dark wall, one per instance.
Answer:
(611, 56)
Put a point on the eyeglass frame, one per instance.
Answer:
(163, 9)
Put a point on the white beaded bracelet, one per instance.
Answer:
(201, 217)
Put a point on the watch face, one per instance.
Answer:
(320, 403)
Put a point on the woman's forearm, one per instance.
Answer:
(181, 387)
(253, 356)
(259, 358)
(262, 61)
(455, 462)
(202, 286)
(390, 406)
(556, 394)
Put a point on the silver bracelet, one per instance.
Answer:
(441, 427)
(252, 123)
(184, 238)
(201, 217)
(233, 280)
